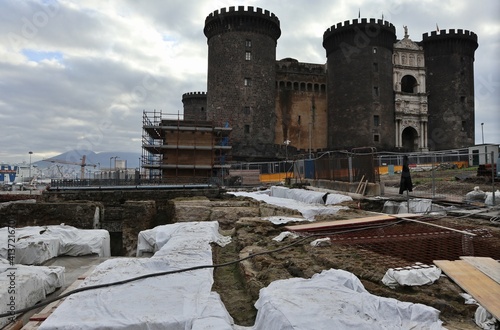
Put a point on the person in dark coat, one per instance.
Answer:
(405, 183)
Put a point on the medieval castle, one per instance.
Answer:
(374, 90)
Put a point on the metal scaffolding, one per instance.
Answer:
(176, 150)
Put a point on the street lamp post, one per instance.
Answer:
(287, 142)
(482, 132)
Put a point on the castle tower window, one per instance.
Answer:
(464, 124)
(375, 91)
(248, 82)
(248, 56)
(374, 50)
(246, 110)
(375, 67)
(462, 99)
(248, 43)
(298, 121)
(247, 129)
(408, 84)
(376, 138)
(376, 120)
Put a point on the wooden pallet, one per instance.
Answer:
(480, 286)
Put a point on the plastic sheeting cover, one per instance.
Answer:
(411, 276)
(34, 245)
(308, 210)
(27, 284)
(175, 301)
(336, 299)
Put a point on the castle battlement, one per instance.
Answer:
(241, 19)
(356, 22)
(452, 33)
(359, 33)
(293, 66)
(194, 95)
(241, 9)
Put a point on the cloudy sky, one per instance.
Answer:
(77, 74)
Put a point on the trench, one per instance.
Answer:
(230, 285)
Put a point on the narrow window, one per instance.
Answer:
(375, 67)
(248, 82)
(375, 91)
(246, 110)
(248, 56)
(247, 129)
(462, 99)
(464, 123)
(376, 138)
(298, 120)
(248, 43)
(376, 120)
(374, 50)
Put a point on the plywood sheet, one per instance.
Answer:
(318, 226)
(481, 287)
(487, 265)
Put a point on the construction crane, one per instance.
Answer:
(82, 165)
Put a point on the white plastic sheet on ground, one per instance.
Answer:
(411, 276)
(175, 301)
(417, 205)
(34, 245)
(489, 198)
(190, 235)
(308, 196)
(336, 299)
(280, 220)
(27, 284)
(308, 210)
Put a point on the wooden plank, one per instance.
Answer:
(358, 189)
(487, 265)
(350, 223)
(481, 287)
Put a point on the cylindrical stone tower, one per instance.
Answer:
(360, 84)
(241, 77)
(449, 59)
(195, 106)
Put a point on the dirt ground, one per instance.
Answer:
(239, 284)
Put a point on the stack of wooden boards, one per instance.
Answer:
(351, 223)
(479, 277)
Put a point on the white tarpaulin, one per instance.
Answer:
(175, 301)
(34, 245)
(27, 284)
(336, 299)
(417, 205)
(179, 236)
(411, 276)
(308, 210)
(308, 196)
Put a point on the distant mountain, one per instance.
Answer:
(101, 160)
